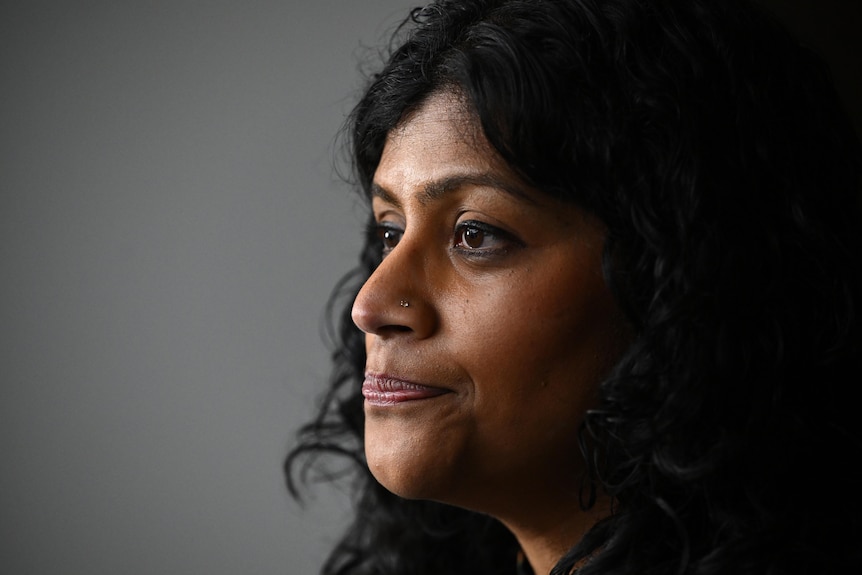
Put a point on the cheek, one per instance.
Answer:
(546, 348)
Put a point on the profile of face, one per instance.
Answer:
(488, 323)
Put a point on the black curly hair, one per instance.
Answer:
(715, 151)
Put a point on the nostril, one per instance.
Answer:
(398, 328)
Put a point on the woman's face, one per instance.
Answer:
(488, 323)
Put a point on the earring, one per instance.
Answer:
(404, 303)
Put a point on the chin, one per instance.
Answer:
(412, 473)
(404, 478)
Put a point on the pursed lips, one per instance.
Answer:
(383, 390)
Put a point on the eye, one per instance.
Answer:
(388, 235)
(480, 239)
(470, 237)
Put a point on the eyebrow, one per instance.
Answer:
(436, 189)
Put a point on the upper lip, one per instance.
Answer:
(392, 381)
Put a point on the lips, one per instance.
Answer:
(382, 390)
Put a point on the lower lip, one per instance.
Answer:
(383, 391)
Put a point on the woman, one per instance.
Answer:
(605, 317)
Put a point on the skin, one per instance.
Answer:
(508, 331)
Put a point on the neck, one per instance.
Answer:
(546, 537)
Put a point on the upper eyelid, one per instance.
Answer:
(389, 225)
(381, 208)
(484, 226)
(494, 230)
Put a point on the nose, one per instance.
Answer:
(395, 299)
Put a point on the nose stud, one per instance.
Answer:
(404, 303)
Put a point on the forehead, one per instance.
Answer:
(438, 139)
(442, 110)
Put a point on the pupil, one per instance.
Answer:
(473, 237)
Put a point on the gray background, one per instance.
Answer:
(170, 227)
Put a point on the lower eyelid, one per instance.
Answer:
(498, 246)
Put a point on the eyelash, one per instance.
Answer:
(388, 235)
